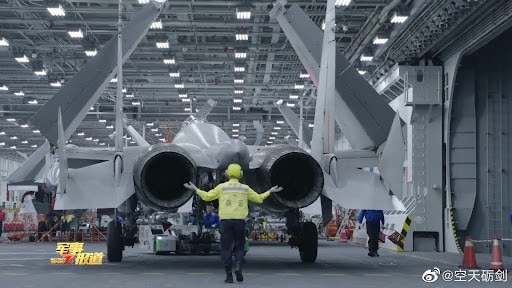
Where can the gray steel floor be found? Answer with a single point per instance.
(338, 265)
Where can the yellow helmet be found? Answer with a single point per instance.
(234, 171)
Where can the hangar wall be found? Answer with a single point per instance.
(481, 145)
(7, 166)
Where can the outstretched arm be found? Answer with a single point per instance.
(257, 198)
(206, 196)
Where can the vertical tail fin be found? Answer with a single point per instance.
(63, 159)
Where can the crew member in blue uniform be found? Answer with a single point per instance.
(373, 220)
(210, 219)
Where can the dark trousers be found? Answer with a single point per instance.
(1, 228)
(232, 240)
(373, 230)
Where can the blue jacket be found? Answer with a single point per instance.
(371, 216)
(510, 217)
(209, 220)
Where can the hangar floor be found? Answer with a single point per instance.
(338, 265)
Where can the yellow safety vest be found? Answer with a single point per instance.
(233, 198)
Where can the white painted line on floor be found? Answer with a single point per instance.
(153, 273)
(15, 274)
(200, 273)
(288, 274)
(63, 273)
(332, 274)
(377, 274)
(17, 265)
(108, 273)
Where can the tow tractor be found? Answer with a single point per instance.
(176, 236)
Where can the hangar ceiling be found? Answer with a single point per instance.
(203, 37)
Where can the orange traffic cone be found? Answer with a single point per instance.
(469, 260)
(343, 236)
(496, 260)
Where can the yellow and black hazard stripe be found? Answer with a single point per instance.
(403, 234)
(454, 231)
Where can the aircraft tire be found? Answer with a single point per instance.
(114, 242)
(309, 247)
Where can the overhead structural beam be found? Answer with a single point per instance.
(293, 120)
(84, 89)
(206, 109)
(363, 116)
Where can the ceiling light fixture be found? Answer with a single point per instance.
(76, 33)
(4, 88)
(33, 102)
(150, 124)
(88, 138)
(280, 122)
(24, 142)
(102, 121)
(22, 59)
(13, 137)
(237, 100)
(157, 24)
(240, 54)
(56, 10)
(143, 1)
(91, 53)
(4, 42)
(304, 75)
(274, 133)
(236, 108)
(342, 2)
(294, 96)
(55, 84)
(380, 40)
(183, 95)
(271, 138)
(113, 80)
(10, 119)
(154, 129)
(238, 91)
(238, 80)
(40, 72)
(19, 93)
(236, 124)
(185, 100)
(187, 109)
(110, 127)
(162, 45)
(13, 147)
(235, 135)
(243, 13)
(169, 61)
(36, 131)
(24, 126)
(174, 74)
(179, 85)
(235, 130)
(290, 104)
(311, 125)
(366, 57)
(299, 86)
(130, 95)
(239, 69)
(362, 72)
(34, 146)
(398, 18)
(136, 103)
(242, 36)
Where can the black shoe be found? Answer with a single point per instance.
(371, 254)
(229, 276)
(239, 276)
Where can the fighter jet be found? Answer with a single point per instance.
(154, 174)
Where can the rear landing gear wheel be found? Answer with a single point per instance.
(309, 244)
(114, 242)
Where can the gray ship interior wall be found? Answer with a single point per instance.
(481, 145)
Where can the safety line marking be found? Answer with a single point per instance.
(199, 273)
(288, 274)
(427, 259)
(15, 274)
(332, 274)
(153, 273)
(108, 273)
(63, 273)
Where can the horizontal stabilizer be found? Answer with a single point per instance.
(29, 169)
(361, 190)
